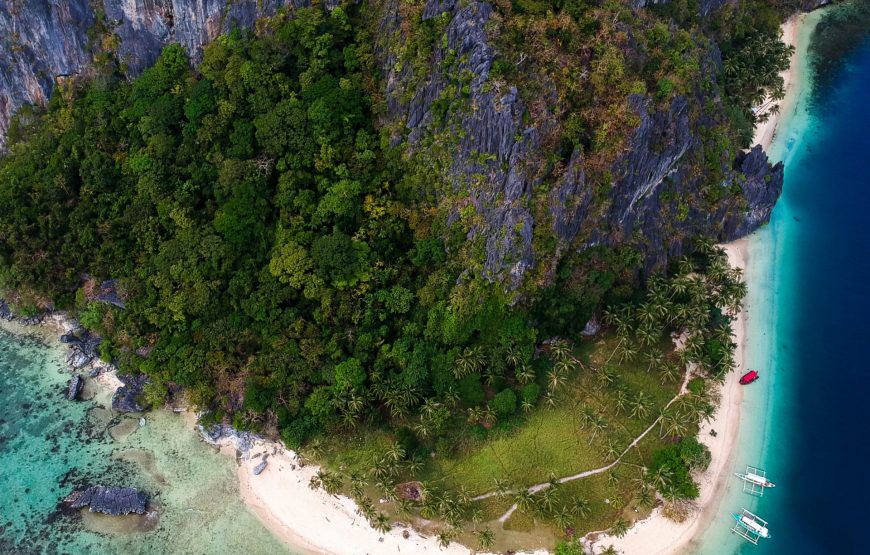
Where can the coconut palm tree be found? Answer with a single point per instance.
(598, 424)
(382, 523)
(627, 353)
(469, 361)
(605, 376)
(555, 380)
(560, 349)
(524, 499)
(645, 498)
(610, 551)
(621, 399)
(640, 405)
(654, 358)
(475, 415)
(527, 406)
(562, 519)
(485, 538)
(611, 451)
(549, 496)
(581, 507)
(620, 527)
(670, 372)
(524, 373)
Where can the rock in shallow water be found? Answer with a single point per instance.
(109, 500)
(75, 387)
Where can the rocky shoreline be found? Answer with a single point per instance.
(83, 356)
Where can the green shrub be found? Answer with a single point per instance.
(505, 403)
(471, 390)
(531, 393)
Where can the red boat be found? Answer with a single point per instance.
(749, 377)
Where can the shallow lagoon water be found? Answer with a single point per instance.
(50, 446)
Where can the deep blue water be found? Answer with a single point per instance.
(818, 440)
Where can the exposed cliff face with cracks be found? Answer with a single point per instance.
(495, 155)
(473, 131)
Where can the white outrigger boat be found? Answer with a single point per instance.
(750, 527)
(754, 481)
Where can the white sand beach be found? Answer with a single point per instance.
(792, 35)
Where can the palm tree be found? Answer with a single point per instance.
(549, 401)
(475, 415)
(469, 361)
(581, 507)
(645, 498)
(562, 519)
(655, 358)
(612, 478)
(485, 538)
(611, 452)
(549, 497)
(395, 452)
(527, 406)
(627, 353)
(620, 527)
(647, 335)
(555, 380)
(513, 356)
(617, 503)
(444, 537)
(382, 523)
(659, 478)
(560, 349)
(640, 405)
(670, 372)
(501, 487)
(489, 417)
(610, 551)
(524, 499)
(677, 425)
(524, 373)
(605, 375)
(564, 366)
(598, 424)
(620, 401)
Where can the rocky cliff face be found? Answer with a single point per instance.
(491, 155)
(497, 158)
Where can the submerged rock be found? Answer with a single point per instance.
(75, 387)
(109, 500)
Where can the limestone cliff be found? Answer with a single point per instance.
(492, 155)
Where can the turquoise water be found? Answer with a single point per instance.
(50, 446)
(806, 422)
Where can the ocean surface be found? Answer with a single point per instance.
(50, 446)
(807, 420)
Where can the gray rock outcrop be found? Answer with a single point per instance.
(110, 500)
(126, 397)
(75, 387)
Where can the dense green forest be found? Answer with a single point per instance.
(286, 265)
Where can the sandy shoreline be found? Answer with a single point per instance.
(791, 35)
